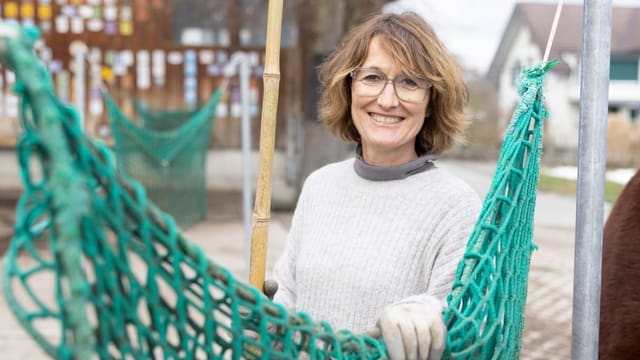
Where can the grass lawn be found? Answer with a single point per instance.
(568, 187)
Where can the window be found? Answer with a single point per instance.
(515, 73)
(201, 22)
(215, 23)
(254, 23)
(624, 69)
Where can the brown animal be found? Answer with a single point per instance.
(620, 295)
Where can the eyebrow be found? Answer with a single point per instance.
(402, 73)
(382, 71)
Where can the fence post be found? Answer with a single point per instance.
(594, 95)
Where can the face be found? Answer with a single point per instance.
(387, 125)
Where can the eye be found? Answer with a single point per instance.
(409, 83)
(371, 77)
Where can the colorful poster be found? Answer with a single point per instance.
(95, 25)
(126, 28)
(85, 11)
(45, 26)
(95, 102)
(77, 25)
(27, 11)
(126, 13)
(44, 12)
(68, 10)
(143, 70)
(45, 54)
(206, 57)
(222, 57)
(190, 78)
(110, 13)
(236, 106)
(158, 68)
(110, 28)
(62, 24)
(174, 58)
(11, 10)
(214, 70)
(222, 110)
(55, 66)
(126, 56)
(63, 85)
(109, 57)
(119, 65)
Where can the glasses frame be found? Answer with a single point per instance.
(354, 72)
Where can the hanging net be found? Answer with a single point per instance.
(485, 313)
(161, 120)
(167, 154)
(128, 285)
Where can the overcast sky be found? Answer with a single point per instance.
(471, 29)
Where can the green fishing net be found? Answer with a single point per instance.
(167, 154)
(161, 120)
(485, 313)
(128, 285)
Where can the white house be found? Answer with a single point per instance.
(523, 44)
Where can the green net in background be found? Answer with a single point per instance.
(129, 286)
(167, 154)
(161, 120)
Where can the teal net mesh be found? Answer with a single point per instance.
(485, 313)
(161, 120)
(129, 285)
(167, 154)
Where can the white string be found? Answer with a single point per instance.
(552, 34)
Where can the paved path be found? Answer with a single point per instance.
(548, 313)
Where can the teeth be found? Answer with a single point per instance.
(385, 119)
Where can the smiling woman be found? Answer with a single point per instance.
(375, 240)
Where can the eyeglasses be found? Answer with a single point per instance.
(371, 82)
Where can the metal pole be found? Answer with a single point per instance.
(594, 95)
(247, 192)
(240, 61)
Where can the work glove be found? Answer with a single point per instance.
(412, 330)
(269, 288)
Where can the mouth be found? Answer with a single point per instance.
(385, 119)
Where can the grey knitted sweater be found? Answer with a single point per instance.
(357, 245)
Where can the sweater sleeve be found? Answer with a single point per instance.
(285, 267)
(452, 233)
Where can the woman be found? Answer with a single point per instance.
(375, 240)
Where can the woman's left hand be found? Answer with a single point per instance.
(412, 330)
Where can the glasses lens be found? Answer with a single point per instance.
(416, 94)
(371, 82)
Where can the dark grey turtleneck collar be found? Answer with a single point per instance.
(397, 172)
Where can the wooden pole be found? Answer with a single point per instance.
(262, 206)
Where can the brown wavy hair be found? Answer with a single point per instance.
(415, 46)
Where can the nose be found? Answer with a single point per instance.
(387, 97)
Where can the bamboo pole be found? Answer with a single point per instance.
(262, 206)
